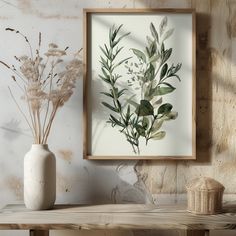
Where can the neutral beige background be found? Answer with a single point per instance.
(147, 181)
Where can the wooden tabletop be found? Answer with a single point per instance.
(135, 216)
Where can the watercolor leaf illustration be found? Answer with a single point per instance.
(149, 78)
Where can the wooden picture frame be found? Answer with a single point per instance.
(164, 74)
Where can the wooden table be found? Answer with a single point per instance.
(133, 217)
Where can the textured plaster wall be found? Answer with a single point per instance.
(82, 181)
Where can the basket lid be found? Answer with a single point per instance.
(204, 183)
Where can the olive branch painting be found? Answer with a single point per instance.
(141, 87)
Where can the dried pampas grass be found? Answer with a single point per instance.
(46, 83)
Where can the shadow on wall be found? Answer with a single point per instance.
(203, 89)
(125, 192)
(103, 190)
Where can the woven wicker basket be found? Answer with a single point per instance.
(205, 196)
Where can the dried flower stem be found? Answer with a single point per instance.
(21, 111)
(50, 123)
(42, 71)
(14, 71)
(18, 85)
(30, 113)
(39, 126)
(18, 74)
(36, 129)
(48, 103)
(26, 39)
(43, 94)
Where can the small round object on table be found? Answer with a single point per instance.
(204, 196)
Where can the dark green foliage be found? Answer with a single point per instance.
(164, 108)
(110, 107)
(144, 109)
(150, 75)
(164, 90)
(163, 71)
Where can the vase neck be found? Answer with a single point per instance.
(39, 147)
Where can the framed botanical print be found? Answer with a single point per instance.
(139, 84)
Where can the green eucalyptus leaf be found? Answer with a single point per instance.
(109, 106)
(140, 129)
(139, 54)
(119, 105)
(105, 79)
(163, 71)
(118, 29)
(118, 40)
(120, 62)
(117, 52)
(171, 115)
(149, 40)
(153, 49)
(166, 55)
(150, 73)
(148, 52)
(154, 32)
(178, 66)
(117, 121)
(163, 25)
(114, 92)
(144, 109)
(163, 90)
(162, 48)
(121, 37)
(169, 85)
(110, 35)
(159, 135)
(127, 116)
(104, 52)
(154, 58)
(168, 34)
(104, 64)
(145, 122)
(105, 73)
(121, 92)
(157, 125)
(173, 70)
(107, 94)
(132, 142)
(165, 108)
(107, 51)
(116, 77)
(149, 91)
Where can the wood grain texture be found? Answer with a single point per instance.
(216, 101)
(112, 217)
(87, 112)
(39, 232)
(197, 233)
(216, 152)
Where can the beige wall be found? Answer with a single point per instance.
(60, 21)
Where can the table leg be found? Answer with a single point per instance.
(197, 233)
(34, 232)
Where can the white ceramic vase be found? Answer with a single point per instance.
(39, 178)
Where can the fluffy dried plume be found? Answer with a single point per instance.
(46, 81)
